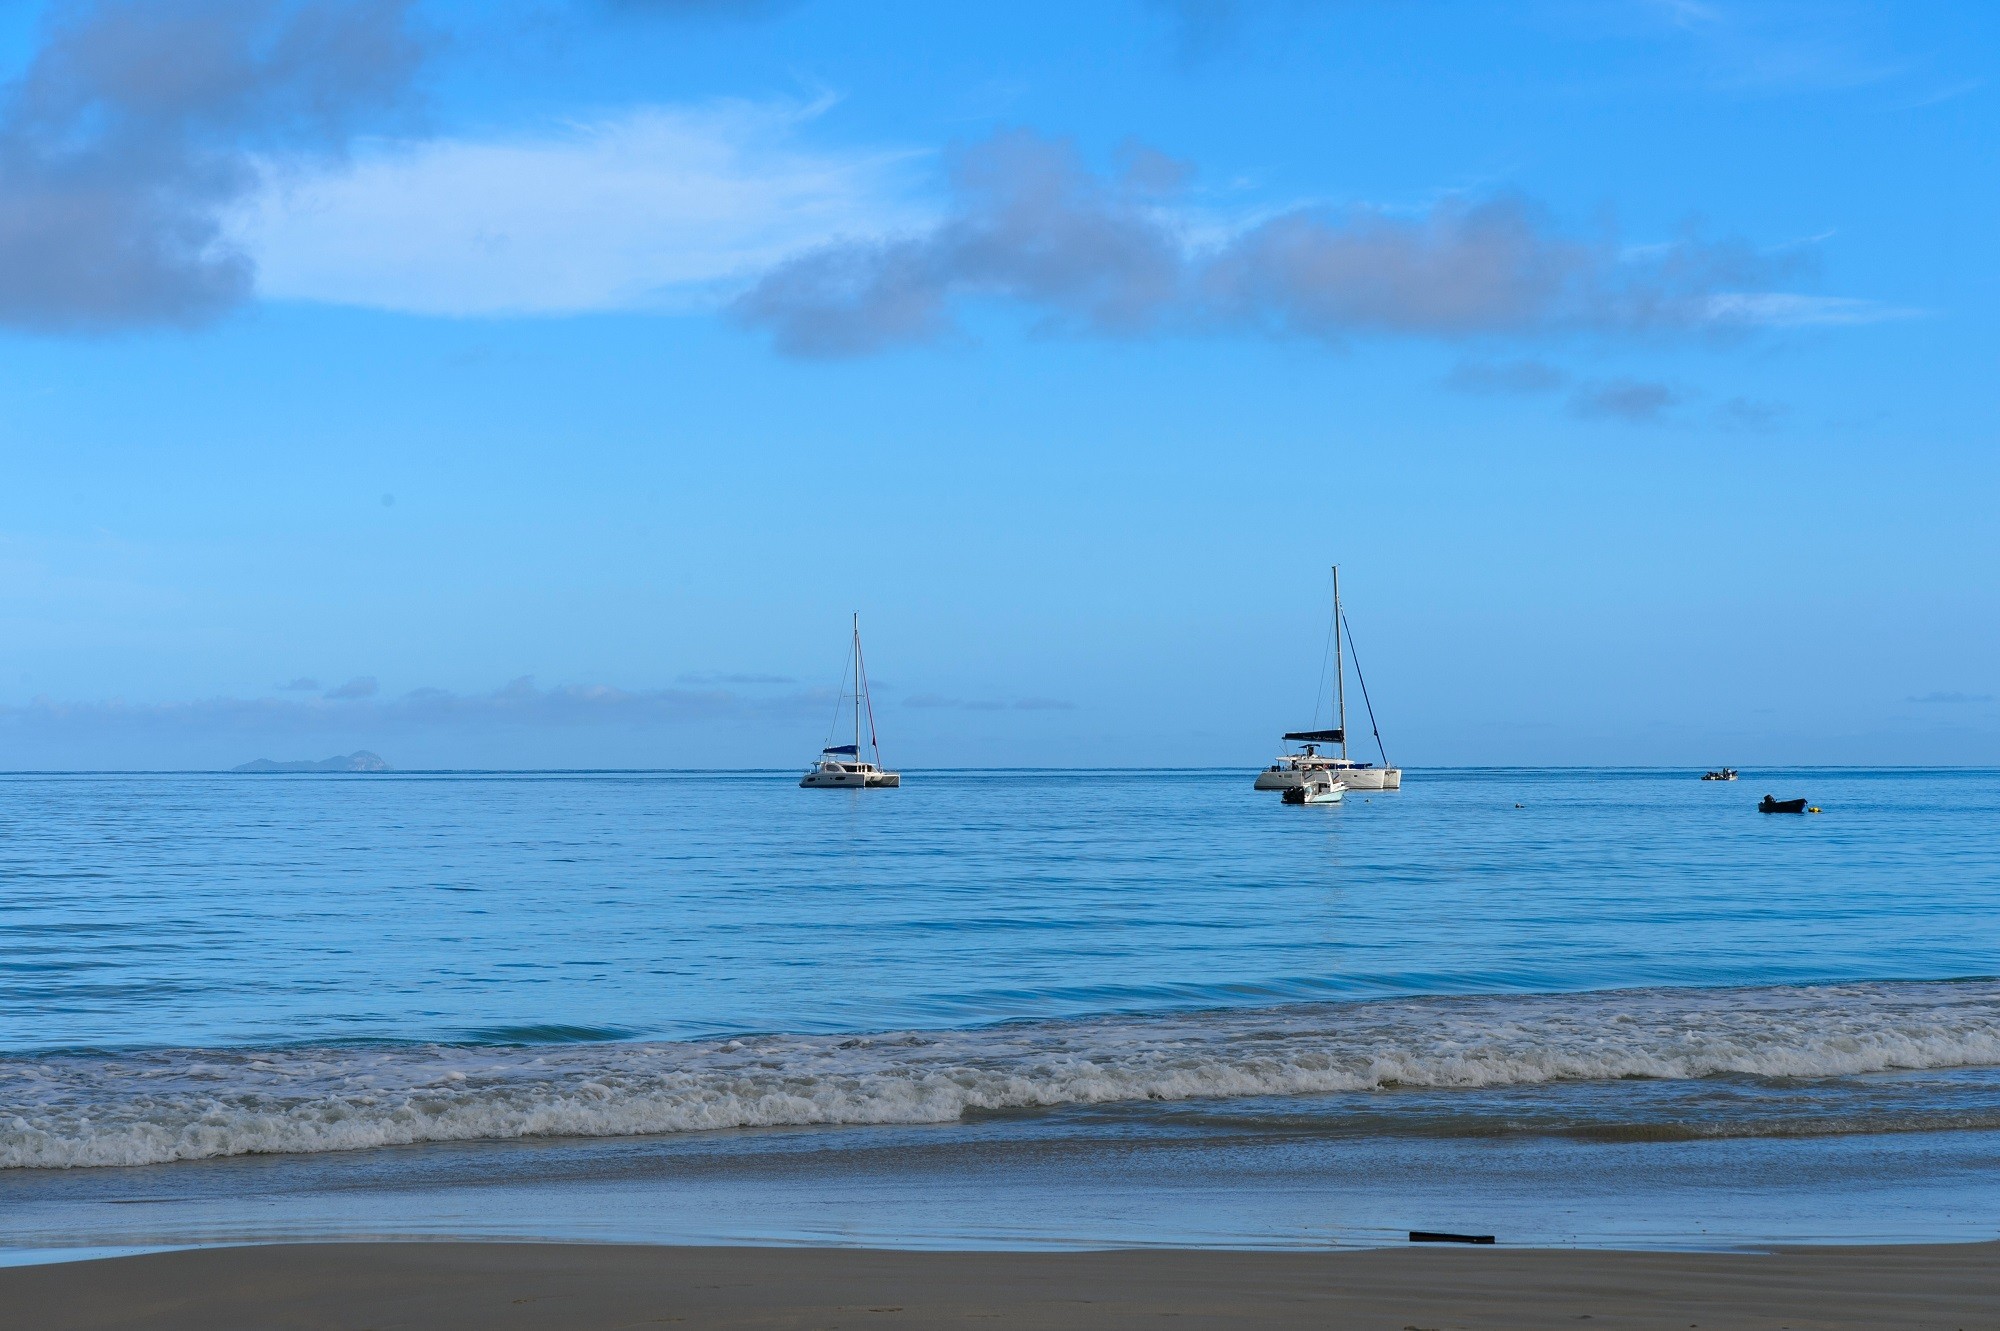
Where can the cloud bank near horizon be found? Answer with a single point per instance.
(708, 719)
(358, 708)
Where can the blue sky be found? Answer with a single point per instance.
(544, 384)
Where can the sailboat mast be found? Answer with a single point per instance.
(1339, 667)
(857, 686)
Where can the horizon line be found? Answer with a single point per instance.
(1148, 767)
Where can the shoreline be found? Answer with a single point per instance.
(581, 1286)
(1178, 1178)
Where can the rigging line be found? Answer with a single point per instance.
(868, 700)
(839, 701)
(1319, 692)
(1363, 681)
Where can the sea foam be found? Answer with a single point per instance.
(62, 1111)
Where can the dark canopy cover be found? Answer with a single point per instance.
(842, 748)
(1316, 736)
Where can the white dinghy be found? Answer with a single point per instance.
(1314, 788)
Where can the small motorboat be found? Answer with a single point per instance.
(1770, 805)
(1720, 774)
(1315, 788)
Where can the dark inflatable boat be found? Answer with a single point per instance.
(1769, 805)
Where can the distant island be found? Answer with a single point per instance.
(359, 761)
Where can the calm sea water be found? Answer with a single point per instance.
(454, 982)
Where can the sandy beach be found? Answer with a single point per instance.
(581, 1287)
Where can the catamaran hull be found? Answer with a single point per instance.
(1354, 778)
(850, 780)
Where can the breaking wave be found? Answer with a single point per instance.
(70, 1110)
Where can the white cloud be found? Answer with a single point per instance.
(688, 207)
(653, 207)
(1033, 223)
(1786, 309)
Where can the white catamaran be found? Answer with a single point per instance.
(840, 765)
(1293, 770)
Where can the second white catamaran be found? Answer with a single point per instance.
(840, 766)
(1310, 768)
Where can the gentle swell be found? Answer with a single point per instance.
(67, 1111)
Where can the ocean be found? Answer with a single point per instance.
(1019, 1008)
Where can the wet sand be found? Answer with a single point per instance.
(582, 1287)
